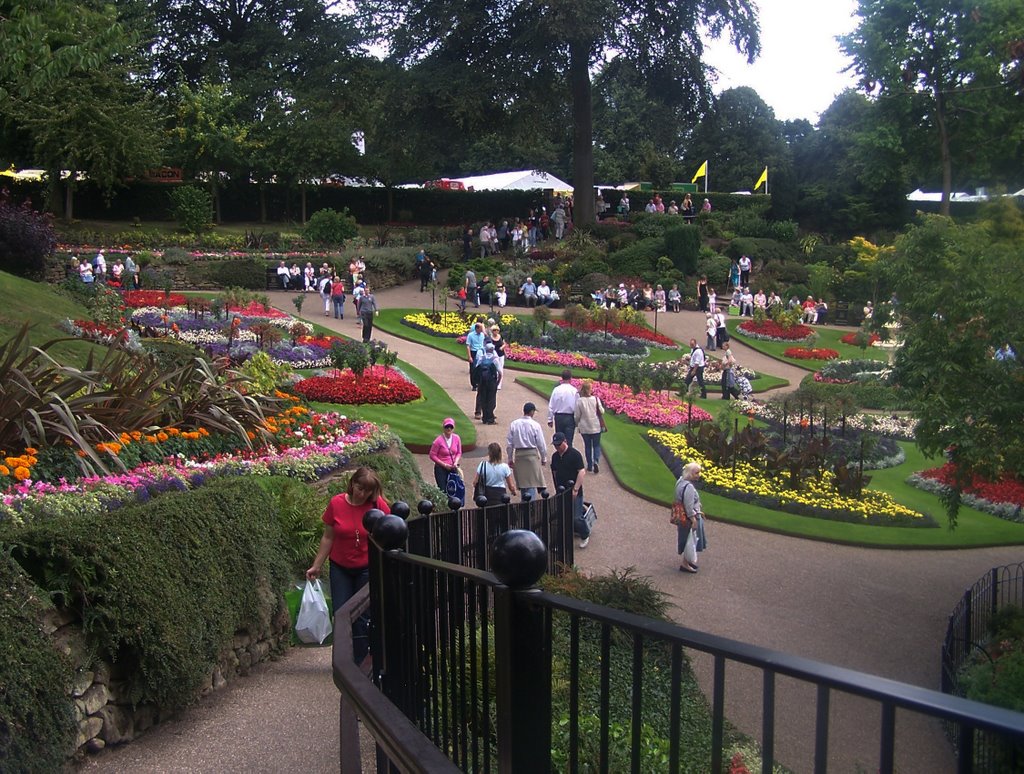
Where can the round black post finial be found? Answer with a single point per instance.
(401, 509)
(390, 532)
(480, 500)
(506, 498)
(544, 492)
(519, 558)
(425, 507)
(371, 517)
(454, 503)
(527, 497)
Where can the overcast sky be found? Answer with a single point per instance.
(799, 71)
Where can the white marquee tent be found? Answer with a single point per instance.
(523, 180)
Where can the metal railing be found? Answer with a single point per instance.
(967, 634)
(498, 676)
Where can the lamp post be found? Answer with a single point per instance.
(655, 317)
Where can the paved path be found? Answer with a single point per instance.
(880, 611)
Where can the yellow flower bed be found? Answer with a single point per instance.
(819, 493)
(449, 323)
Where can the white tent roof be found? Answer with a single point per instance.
(523, 180)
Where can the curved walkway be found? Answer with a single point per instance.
(879, 611)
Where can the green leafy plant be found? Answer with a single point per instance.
(329, 227)
(193, 208)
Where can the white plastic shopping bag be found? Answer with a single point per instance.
(690, 551)
(313, 623)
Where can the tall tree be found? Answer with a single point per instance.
(952, 68)
(738, 137)
(954, 317)
(535, 45)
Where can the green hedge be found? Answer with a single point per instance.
(682, 245)
(37, 722)
(161, 588)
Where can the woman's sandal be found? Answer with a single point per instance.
(687, 568)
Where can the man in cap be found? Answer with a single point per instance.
(567, 471)
(527, 453)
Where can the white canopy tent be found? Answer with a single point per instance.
(522, 180)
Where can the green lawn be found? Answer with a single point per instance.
(42, 308)
(639, 469)
(827, 339)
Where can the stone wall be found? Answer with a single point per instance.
(103, 707)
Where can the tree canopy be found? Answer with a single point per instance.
(553, 47)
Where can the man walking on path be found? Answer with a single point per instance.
(562, 407)
(471, 289)
(697, 363)
(474, 344)
(567, 470)
(527, 453)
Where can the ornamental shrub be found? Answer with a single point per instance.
(37, 722)
(245, 273)
(638, 259)
(161, 588)
(26, 239)
(193, 208)
(330, 227)
(682, 245)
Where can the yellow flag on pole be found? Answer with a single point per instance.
(702, 172)
(762, 179)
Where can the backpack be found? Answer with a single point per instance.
(487, 371)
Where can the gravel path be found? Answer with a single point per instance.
(879, 611)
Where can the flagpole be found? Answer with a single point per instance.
(705, 175)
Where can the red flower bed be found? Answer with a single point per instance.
(377, 385)
(629, 330)
(851, 339)
(1006, 490)
(804, 353)
(97, 330)
(139, 298)
(319, 341)
(256, 309)
(771, 330)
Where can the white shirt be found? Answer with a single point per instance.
(562, 401)
(526, 433)
(697, 357)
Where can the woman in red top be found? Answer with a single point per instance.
(345, 540)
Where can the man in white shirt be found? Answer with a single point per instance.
(544, 293)
(527, 453)
(283, 275)
(562, 407)
(697, 363)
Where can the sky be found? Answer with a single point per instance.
(799, 71)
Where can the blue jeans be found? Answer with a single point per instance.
(528, 490)
(592, 448)
(339, 307)
(566, 423)
(345, 583)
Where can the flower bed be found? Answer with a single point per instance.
(818, 499)
(307, 448)
(1003, 498)
(449, 324)
(769, 330)
(851, 339)
(849, 371)
(624, 330)
(891, 426)
(804, 353)
(136, 299)
(647, 408)
(521, 354)
(377, 385)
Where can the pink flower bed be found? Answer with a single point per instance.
(770, 330)
(657, 409)
(626, 330)
(523, 354)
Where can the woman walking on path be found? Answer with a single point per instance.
(499, 351)
(589, 416)
(338, 297)
(494, 476)
(686, 493)
(445, 453)
(346, 540)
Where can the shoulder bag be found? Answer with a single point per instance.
(679, 517)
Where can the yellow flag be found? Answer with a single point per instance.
(762, 179)
(702, 172)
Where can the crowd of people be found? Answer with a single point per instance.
(120, 273)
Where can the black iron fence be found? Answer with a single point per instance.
(498, 676)
(967, 636)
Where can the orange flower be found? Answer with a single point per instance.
(136, 435)
(125, 439)
(12, 461)
(150, 439)
(162, 436)
(804, 422)
(251, 435)
(173, 431)
(21, 473)
(30, 450)
(4, 470)
(203, 432)
(81, 453)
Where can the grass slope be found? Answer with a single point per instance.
(24, 301)
(639, 469)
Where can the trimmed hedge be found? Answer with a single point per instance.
(162, 588)
(37, 721)
(682, 245)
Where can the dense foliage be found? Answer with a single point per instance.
(26, 238)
